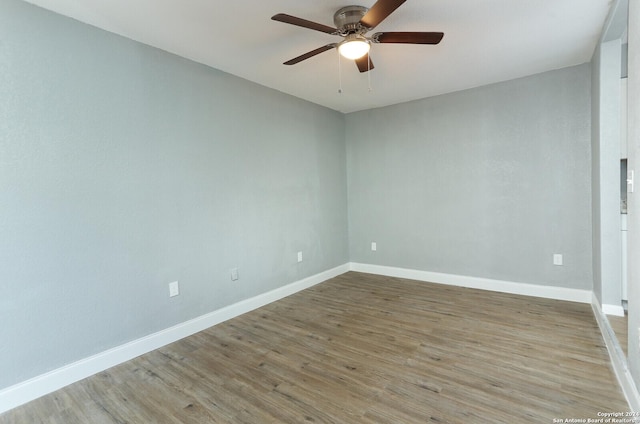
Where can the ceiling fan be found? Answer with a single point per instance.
(352, 23)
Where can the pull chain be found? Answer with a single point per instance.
(339, 74)
(369, 72)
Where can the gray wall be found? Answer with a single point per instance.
(489, 182)
(123, 168)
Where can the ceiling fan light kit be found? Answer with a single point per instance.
(354, 46)
(352, 23)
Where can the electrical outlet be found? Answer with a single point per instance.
(234, 274)
(174, 289)
(374, 246)
(557, 259)
(299, 256)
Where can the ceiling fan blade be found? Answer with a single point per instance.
(288, 19)
(379, 12)
(364, 63)
(407, 37)
(310, 54)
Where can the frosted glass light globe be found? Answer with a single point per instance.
(354, 47)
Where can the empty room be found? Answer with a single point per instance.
(399, 211)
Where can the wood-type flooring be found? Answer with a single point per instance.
(362, 348)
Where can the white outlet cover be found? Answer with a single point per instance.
(374, 246)
(174, 289)
(557, 259)
(299, 256)
(234, 274)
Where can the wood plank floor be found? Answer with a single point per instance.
(362, 349)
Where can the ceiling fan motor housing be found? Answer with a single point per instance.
(347, 19)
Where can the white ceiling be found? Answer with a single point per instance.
(485, 41)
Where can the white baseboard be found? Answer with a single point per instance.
(615, 310)
(41, 385)
(618, 359)
(549, 292)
